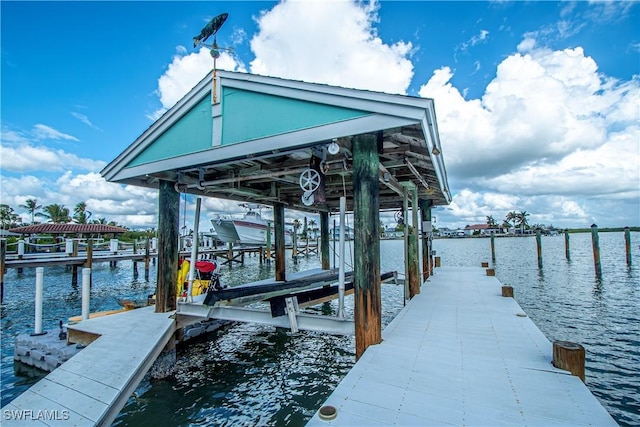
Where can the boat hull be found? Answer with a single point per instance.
(226, 230)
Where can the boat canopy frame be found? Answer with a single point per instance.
(237, 155)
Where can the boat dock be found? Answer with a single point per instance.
(94, 385)
(460, 354)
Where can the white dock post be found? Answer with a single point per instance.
(39, 292)
(194, 250)
(68, 247)
(86, 292)
(20, 248)
(113, 246)
(343, 208)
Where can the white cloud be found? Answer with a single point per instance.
(28, 157)
(41, 132)
(84, 119)
(329, 42)
(185, 71)
(549, 127)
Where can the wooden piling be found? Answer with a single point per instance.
(507, 291)
(367, 299)
(425, 217)
(294, 249)
(627, 244)
(437, 261)
(74, 275)
(484, 264)
(89, 261)
(146, 259)
(324, 240)
(414, 271)
(539, 247)
(168, 233)
(268, 251)
(570, 357)
(567, 253)
(493, 248)
(405, 235)
(595, 242)
(491, 272)
(278, 231)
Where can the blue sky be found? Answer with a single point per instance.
(537, 102)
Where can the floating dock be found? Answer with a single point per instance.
(461, 354)
(94, 385)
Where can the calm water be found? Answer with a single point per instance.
(255, 375)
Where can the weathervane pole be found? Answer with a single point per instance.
(210, 30)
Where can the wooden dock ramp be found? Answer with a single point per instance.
(93, 386)
(460, 354)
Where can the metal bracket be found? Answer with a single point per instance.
(292, 311)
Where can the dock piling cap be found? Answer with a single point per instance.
(327, 413)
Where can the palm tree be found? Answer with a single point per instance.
(58, 214)
(31, 205)
(511, 216)
(81, 214)
(521, 218)
(491, 222)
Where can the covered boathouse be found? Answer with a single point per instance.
(300, 146)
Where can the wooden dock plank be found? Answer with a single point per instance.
(93, 386)
(459, 354)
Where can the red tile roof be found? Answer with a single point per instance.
(68, 228)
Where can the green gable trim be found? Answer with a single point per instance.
(251, 115)
(190, 134)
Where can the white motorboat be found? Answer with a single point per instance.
(251, 229)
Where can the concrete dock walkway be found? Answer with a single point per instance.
(461, 354)
(91, 388)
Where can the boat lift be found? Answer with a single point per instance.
(285, 299)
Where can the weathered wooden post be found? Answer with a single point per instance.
(405, 225)
(627, 244)
(268, 252)
(74, 275)
(278, 231)
(414, 270)
(146, 259)
(425, 217)
(595, 243)
(89, 261)
(570, 357)
(507, 291)
(294, 249)
(230, 252)
(539, 247)
(168, 235)
(566, 244)
(493, 248)
(134, 262)
(324, 240)
(367, 301)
